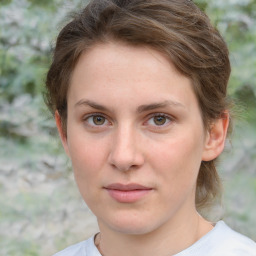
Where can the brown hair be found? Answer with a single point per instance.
(177, 28)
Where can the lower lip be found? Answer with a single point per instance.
(129, 196)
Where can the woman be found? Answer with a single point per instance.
(138, 89)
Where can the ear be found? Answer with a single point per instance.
(215, 139)
(62, 134)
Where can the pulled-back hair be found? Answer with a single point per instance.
(177, 28)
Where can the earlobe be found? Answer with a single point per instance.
(215, 139)
(63, 136)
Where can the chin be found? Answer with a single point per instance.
(132, 226)
(132, 229)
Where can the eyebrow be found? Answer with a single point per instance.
(91, 104)
(164, 104)
(140, 109)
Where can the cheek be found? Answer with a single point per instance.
(87, 156)
(88, 162)
(178, 159)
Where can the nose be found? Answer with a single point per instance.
(126, 153)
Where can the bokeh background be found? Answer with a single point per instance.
(41, 211)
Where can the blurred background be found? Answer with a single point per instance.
(41, 210)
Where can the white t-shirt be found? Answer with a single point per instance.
(220, 241)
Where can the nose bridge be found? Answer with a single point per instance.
(125, 153)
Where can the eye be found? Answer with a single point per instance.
(159, 120)
(96, 120)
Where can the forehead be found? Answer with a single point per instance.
(115, 55)
(118, 69)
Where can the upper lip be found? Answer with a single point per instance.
(127, 187)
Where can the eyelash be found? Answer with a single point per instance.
(168, 119)
(87, 117)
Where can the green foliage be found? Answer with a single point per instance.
(236, 21)
(26, 247)
(24, 50)
(4, 2)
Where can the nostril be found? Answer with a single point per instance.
(127, 164)
(124, 153)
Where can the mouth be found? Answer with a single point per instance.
(127, 193)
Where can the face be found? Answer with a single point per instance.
(135, 138)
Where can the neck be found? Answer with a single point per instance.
(169, 239)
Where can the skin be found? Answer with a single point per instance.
(132, 118)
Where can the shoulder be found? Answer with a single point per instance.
(84, 248)
(221, 241)
(231, 242)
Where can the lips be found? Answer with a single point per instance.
(127, 193)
